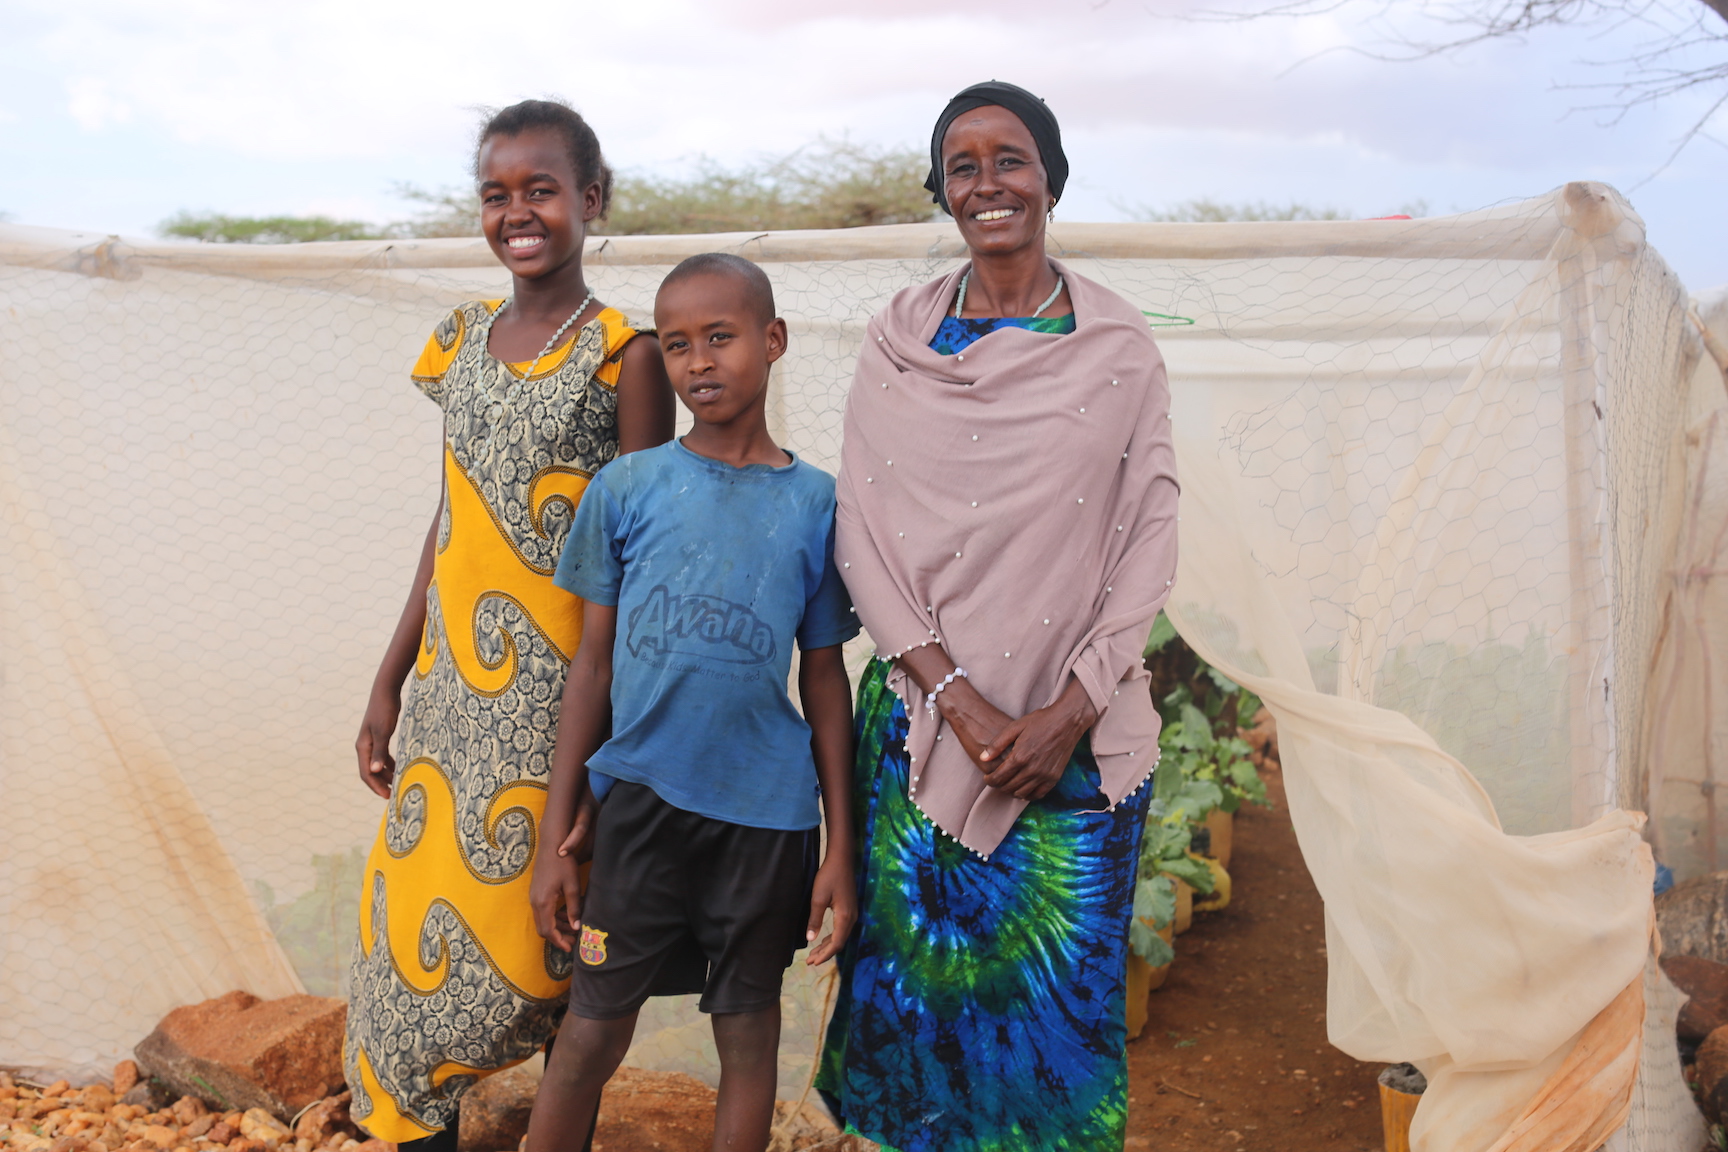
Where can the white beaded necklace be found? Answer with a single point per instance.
(562, 328)
(960, 297)
(516, 387)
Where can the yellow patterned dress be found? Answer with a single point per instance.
(450, 981)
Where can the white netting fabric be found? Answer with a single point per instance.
(1688, 726)
(1433, 476)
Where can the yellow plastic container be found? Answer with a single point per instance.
(1219, 898)
(1184, 906)
(1222, 826)
(1143, 980)
(1397, 1110)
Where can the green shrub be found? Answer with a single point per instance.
(217, 228)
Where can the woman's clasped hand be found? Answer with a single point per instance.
(1022, 756)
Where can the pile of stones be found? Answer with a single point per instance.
(134, 1114)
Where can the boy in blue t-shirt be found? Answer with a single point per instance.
(702, 561)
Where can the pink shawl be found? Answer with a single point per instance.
(1015, 503)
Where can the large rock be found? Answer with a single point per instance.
(494, 1113)
(1705, 983)
(1693, 918)
(238, 1052)
(1712, 1070)
(664, 1110)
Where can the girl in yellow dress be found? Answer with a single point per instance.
(450, 979)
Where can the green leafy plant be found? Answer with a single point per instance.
(1154, 909)
(1164, 850)
(1203, 765)
(1205, 770)
(1202, 709)
(1164, 859)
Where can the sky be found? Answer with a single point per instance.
(114, 115)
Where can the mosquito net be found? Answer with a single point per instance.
(1435, 482)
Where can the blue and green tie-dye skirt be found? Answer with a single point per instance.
(981, 1003)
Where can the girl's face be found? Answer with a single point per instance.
(995, 180)
(533, 208)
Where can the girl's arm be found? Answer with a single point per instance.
(377, 766)
(645, 400)
(583, 721)
(827, 698)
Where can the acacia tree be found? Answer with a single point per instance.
(1673, 46)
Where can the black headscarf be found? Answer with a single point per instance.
(1033, 113)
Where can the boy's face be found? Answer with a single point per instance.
(717, 345)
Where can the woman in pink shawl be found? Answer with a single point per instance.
(1007, 529)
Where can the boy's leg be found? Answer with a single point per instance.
(749, 1045)
(594, 1122)
(632, 943)
(750, 902)
(568, 1102)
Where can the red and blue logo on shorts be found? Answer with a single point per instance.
(592, 946)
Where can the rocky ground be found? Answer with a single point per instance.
(130, 1115)
(643, 1112)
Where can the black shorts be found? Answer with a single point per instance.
(679, 904)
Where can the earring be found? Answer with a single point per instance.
(1050, 216)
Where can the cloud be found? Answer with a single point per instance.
(251, 107)
(671, 78)
(92, 106)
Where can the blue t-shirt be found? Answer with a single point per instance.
(715, 571)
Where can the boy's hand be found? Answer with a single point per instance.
(555, 894)
(827, 698)
(835, 888)
(377, 766)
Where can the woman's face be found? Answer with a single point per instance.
(995, 180)
(533, 210)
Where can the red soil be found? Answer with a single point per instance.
(1234, 1054)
